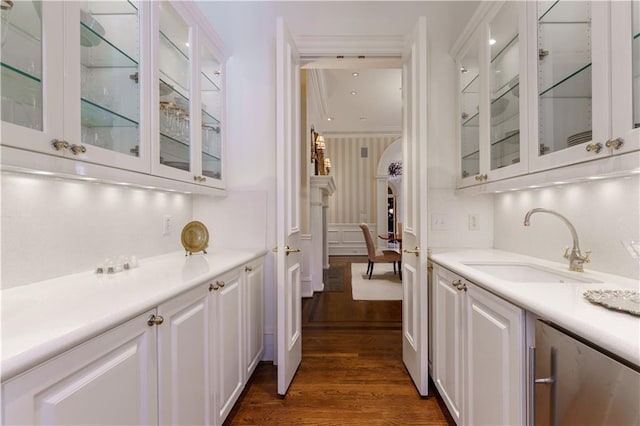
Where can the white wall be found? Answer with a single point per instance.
(443, 202)
(605, 214)
(53, 227)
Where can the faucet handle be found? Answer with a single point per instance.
(566, 253)
(587, 256)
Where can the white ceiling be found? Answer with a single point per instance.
(376, 106)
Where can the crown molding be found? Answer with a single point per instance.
(317, 88)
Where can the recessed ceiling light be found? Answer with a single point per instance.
(559, 183)
(186, 43)
(329, 118)
(492, 41)
(353, 92)
(355, 74)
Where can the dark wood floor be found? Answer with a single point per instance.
(351, 371)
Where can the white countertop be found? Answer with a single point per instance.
(43, 319)
(559, 303)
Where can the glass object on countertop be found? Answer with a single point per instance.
(470, 103)
(564, 74)
(505, 87)
(109, 58)
(211, 114)
(174, 87)
(21, 63)
(636, 62)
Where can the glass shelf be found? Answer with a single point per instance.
(472, 156)
(564, 12)
(473, 86)
(94, 115)
(207, 84)
(167, 83)
(505, 107)
(473, 121)
(16, 84)
(209, 120)
(174, 153)
(210, 157)
(103, 53)
(24, 21)
(576, 85)
(513, 138)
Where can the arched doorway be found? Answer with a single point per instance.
(386, 184)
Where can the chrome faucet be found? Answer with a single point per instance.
(576, 259)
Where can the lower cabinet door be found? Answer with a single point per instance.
(227, 347)
(110, 379)
(183, 359)
(494, 360)
(254, 313)
(448, 340)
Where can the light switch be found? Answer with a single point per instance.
(439, 222)
(167, 224)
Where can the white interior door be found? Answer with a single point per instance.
(288, 207)
(414, 208)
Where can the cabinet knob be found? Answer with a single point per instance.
(220, 284)
(59, 144)
(155, 320)
(78, 149)
(248, 268)
(594, 147)
(213, 287)
(615, 143)
(199, 179)
(480, 178)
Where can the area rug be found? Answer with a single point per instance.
(383, 285)
(333, 279)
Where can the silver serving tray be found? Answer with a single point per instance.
(619, 300)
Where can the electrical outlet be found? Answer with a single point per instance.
(439, 222)
(167, 224)
(473, 222)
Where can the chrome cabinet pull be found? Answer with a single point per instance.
(594, 147)
(551, 380)
(155, 320)
(77, 149)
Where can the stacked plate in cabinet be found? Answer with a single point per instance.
(579, 138)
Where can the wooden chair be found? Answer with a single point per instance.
(375, 255)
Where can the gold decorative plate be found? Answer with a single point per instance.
(195, 237)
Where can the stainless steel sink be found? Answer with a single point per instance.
(524, 272)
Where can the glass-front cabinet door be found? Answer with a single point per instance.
(109, 94)
(573, 113)
(469, 98)
(174, 80)
(625, 58)
(505, 121)
(32, 69)
(211, 126)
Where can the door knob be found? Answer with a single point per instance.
(415, 251)
(290, 250)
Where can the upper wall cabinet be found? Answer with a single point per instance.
(135, 86)
(189, 75)
(74, 90)
(559, 84)
(491, 67)
(582, 86)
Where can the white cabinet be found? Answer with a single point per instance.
(545, 85)
(83, 98)
(110, 379)
(227, 346)
(448, 341)
(479, 359)
(495, 360)
(584, 91)
(184, 375)
(254, 314)
(492, 63)
(134, 86)
(188, 107)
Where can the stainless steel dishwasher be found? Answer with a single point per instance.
(572, 383)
